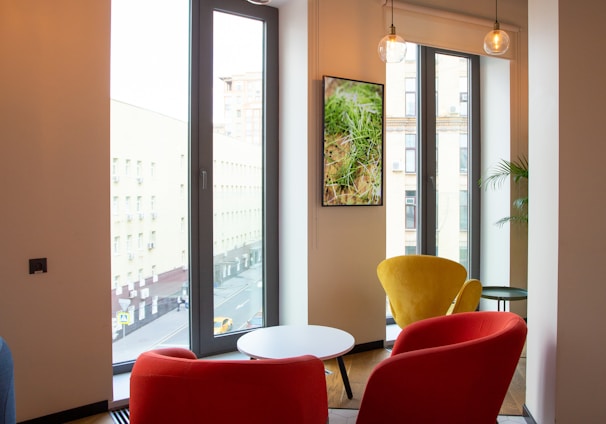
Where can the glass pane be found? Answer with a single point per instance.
(411, 153)
(238, 173)
(401, 147)
(149, 176)
(452, 127)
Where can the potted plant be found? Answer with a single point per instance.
(503, 171)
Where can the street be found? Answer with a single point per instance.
(238, 298)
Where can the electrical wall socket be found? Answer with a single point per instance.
(37, 266)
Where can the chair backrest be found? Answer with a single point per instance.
(7, 385)
(420, 286)
(454, 368)
(468, 298)
(172, 386)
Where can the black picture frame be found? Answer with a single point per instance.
(352, 148)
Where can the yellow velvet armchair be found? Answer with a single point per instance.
(425, 286)
(468, 298)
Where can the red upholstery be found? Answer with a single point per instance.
(449, 369)
(172, 386)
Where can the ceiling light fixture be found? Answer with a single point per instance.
(496, 41)
(259, 2)
(392, 47)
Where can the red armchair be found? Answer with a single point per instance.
(172, 386)
(455, 369)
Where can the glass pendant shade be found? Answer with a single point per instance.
(392, 47)
(496, 41)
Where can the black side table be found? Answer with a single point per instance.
(503, 293)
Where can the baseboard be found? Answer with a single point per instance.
(119, 404)
(527, 415)
(364, 347)
(71, 414)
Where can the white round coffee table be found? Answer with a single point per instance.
(286, 341)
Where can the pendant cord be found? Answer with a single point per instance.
(496, 10)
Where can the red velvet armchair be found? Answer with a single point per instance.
(449, 369)
(172, 386)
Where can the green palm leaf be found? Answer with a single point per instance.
(502, 172)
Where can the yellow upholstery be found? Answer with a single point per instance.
(421, 286)
(468, 298)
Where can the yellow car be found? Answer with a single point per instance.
(223, 325)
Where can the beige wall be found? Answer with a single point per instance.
(543, 236)
(54, 180)
(345, 243)
(566, 374)
(328, 254)
(581, 368)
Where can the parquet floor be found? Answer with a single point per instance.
(359, 366)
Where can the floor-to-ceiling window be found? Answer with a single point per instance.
(192, 157)
(432, 155)
(234, 171)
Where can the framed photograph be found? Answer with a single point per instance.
(353, 142)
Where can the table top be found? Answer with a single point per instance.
(287, 341)
(504, 293)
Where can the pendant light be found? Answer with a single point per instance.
(496, 41)
(392, 47)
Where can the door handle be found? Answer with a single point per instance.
(203, 177)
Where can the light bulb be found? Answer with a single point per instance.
(496, 41)
(392, 47)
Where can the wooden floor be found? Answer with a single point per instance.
(95, 419)
(358, 367)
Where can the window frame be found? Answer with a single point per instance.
(203, 341)
(428, 142)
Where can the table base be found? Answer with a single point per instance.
(345, 377)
